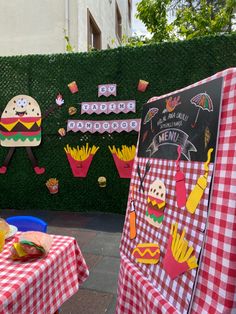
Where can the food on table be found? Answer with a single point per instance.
(4, 226)
(156, 203)
(147, 253)
(2, 239)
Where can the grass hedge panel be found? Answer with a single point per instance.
(167, 66)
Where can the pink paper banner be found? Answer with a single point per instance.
(108, 107)
(100, 126)
(106, 90)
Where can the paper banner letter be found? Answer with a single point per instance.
(197, 192)
(147, 253)
(178, 258)
(123, 159)
(80, 159)
(156, 203)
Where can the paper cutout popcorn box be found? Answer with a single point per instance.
(80, 159)
(142, 85)
(156, 203)
(52, 185)
(73, 87)
(123, 159)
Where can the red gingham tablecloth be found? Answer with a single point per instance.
(43, 285)
(143, 289)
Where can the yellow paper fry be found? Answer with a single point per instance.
(82, 153)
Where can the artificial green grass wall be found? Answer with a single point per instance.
(167, 67)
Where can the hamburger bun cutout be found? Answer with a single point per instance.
(20, 126)
(156, 203)
(147, 253)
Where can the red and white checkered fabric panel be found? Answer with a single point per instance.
(136, 294)
(216, 289)
(216, 284)
(178, 291)
(43, 285)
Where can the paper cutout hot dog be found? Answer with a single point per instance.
(147, 253)
(197, 192)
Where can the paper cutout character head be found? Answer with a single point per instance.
(156, 203)
(20, 126)
(21, 122)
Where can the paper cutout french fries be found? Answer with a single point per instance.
(197, 192)
(179, 256)
(80, 158)
(123, 159)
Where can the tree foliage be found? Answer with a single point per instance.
(193, 18)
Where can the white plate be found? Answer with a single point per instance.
(13, 230)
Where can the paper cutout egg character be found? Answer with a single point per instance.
(20, 126)
(156, 203)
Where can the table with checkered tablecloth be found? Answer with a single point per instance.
(42, 285)
(212, 287)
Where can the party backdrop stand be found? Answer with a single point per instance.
(174, 158)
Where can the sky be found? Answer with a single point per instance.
(138, 27)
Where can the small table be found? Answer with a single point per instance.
(42, 285)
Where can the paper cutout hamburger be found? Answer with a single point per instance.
(156, 203)
(20, 126)
(147, 253)
(21, 122)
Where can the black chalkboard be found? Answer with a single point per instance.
(189, 118)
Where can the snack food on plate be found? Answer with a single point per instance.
(31, 244)
(4, 226)
(21, 122)
(147, 253)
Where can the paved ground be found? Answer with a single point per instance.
(98, 235)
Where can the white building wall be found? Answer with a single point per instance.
(37, 26)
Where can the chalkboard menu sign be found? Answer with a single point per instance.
(189, 118)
